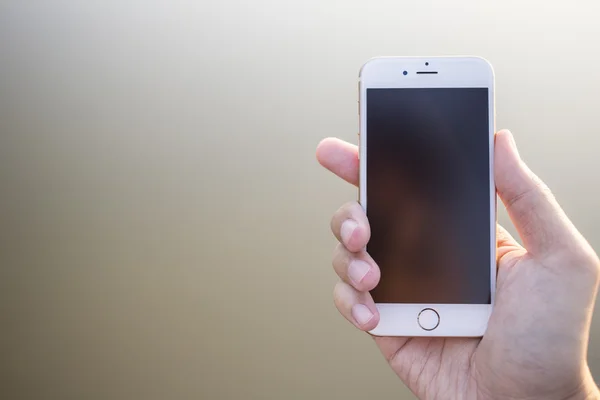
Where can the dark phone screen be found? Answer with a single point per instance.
(428, 194)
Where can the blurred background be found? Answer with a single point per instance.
(164, 226)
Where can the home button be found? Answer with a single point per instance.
(428, 319)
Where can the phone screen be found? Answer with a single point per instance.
(428, 194)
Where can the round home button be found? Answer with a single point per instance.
(428, 319)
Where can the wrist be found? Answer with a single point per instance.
(588, 394)
(587, 391)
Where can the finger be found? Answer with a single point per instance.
(505, 244)
(351, 227)
(540, 221)
(339, 157)
(356, 269)
(505, 239)
(357, 307)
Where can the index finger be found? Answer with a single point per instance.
(339, 157)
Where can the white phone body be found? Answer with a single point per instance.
(460, 320)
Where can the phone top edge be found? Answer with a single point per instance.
(378, 59)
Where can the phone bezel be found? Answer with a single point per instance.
(464, 320)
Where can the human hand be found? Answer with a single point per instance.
(535, 346)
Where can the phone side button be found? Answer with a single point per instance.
(428, 319)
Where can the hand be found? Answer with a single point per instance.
(535, 346)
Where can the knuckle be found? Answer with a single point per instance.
(346, 208)
(544, 189)
(367, 230)
(340, 256)
(338, 296)
(332, 222)
(351, 208)
(340, 215)
(541, 190)
(351, 204)
(538, 189)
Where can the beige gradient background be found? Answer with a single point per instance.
(163, 223)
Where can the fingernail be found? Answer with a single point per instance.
(361, 314)
(348, 228)
(357, 270)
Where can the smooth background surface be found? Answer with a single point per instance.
(164, 227)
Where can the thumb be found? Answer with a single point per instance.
(541, 223)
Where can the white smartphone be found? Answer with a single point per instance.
(427, 186)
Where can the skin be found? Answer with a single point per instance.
(535, 346)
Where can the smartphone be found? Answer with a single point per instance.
(427, 186)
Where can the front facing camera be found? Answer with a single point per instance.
(405, 73)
